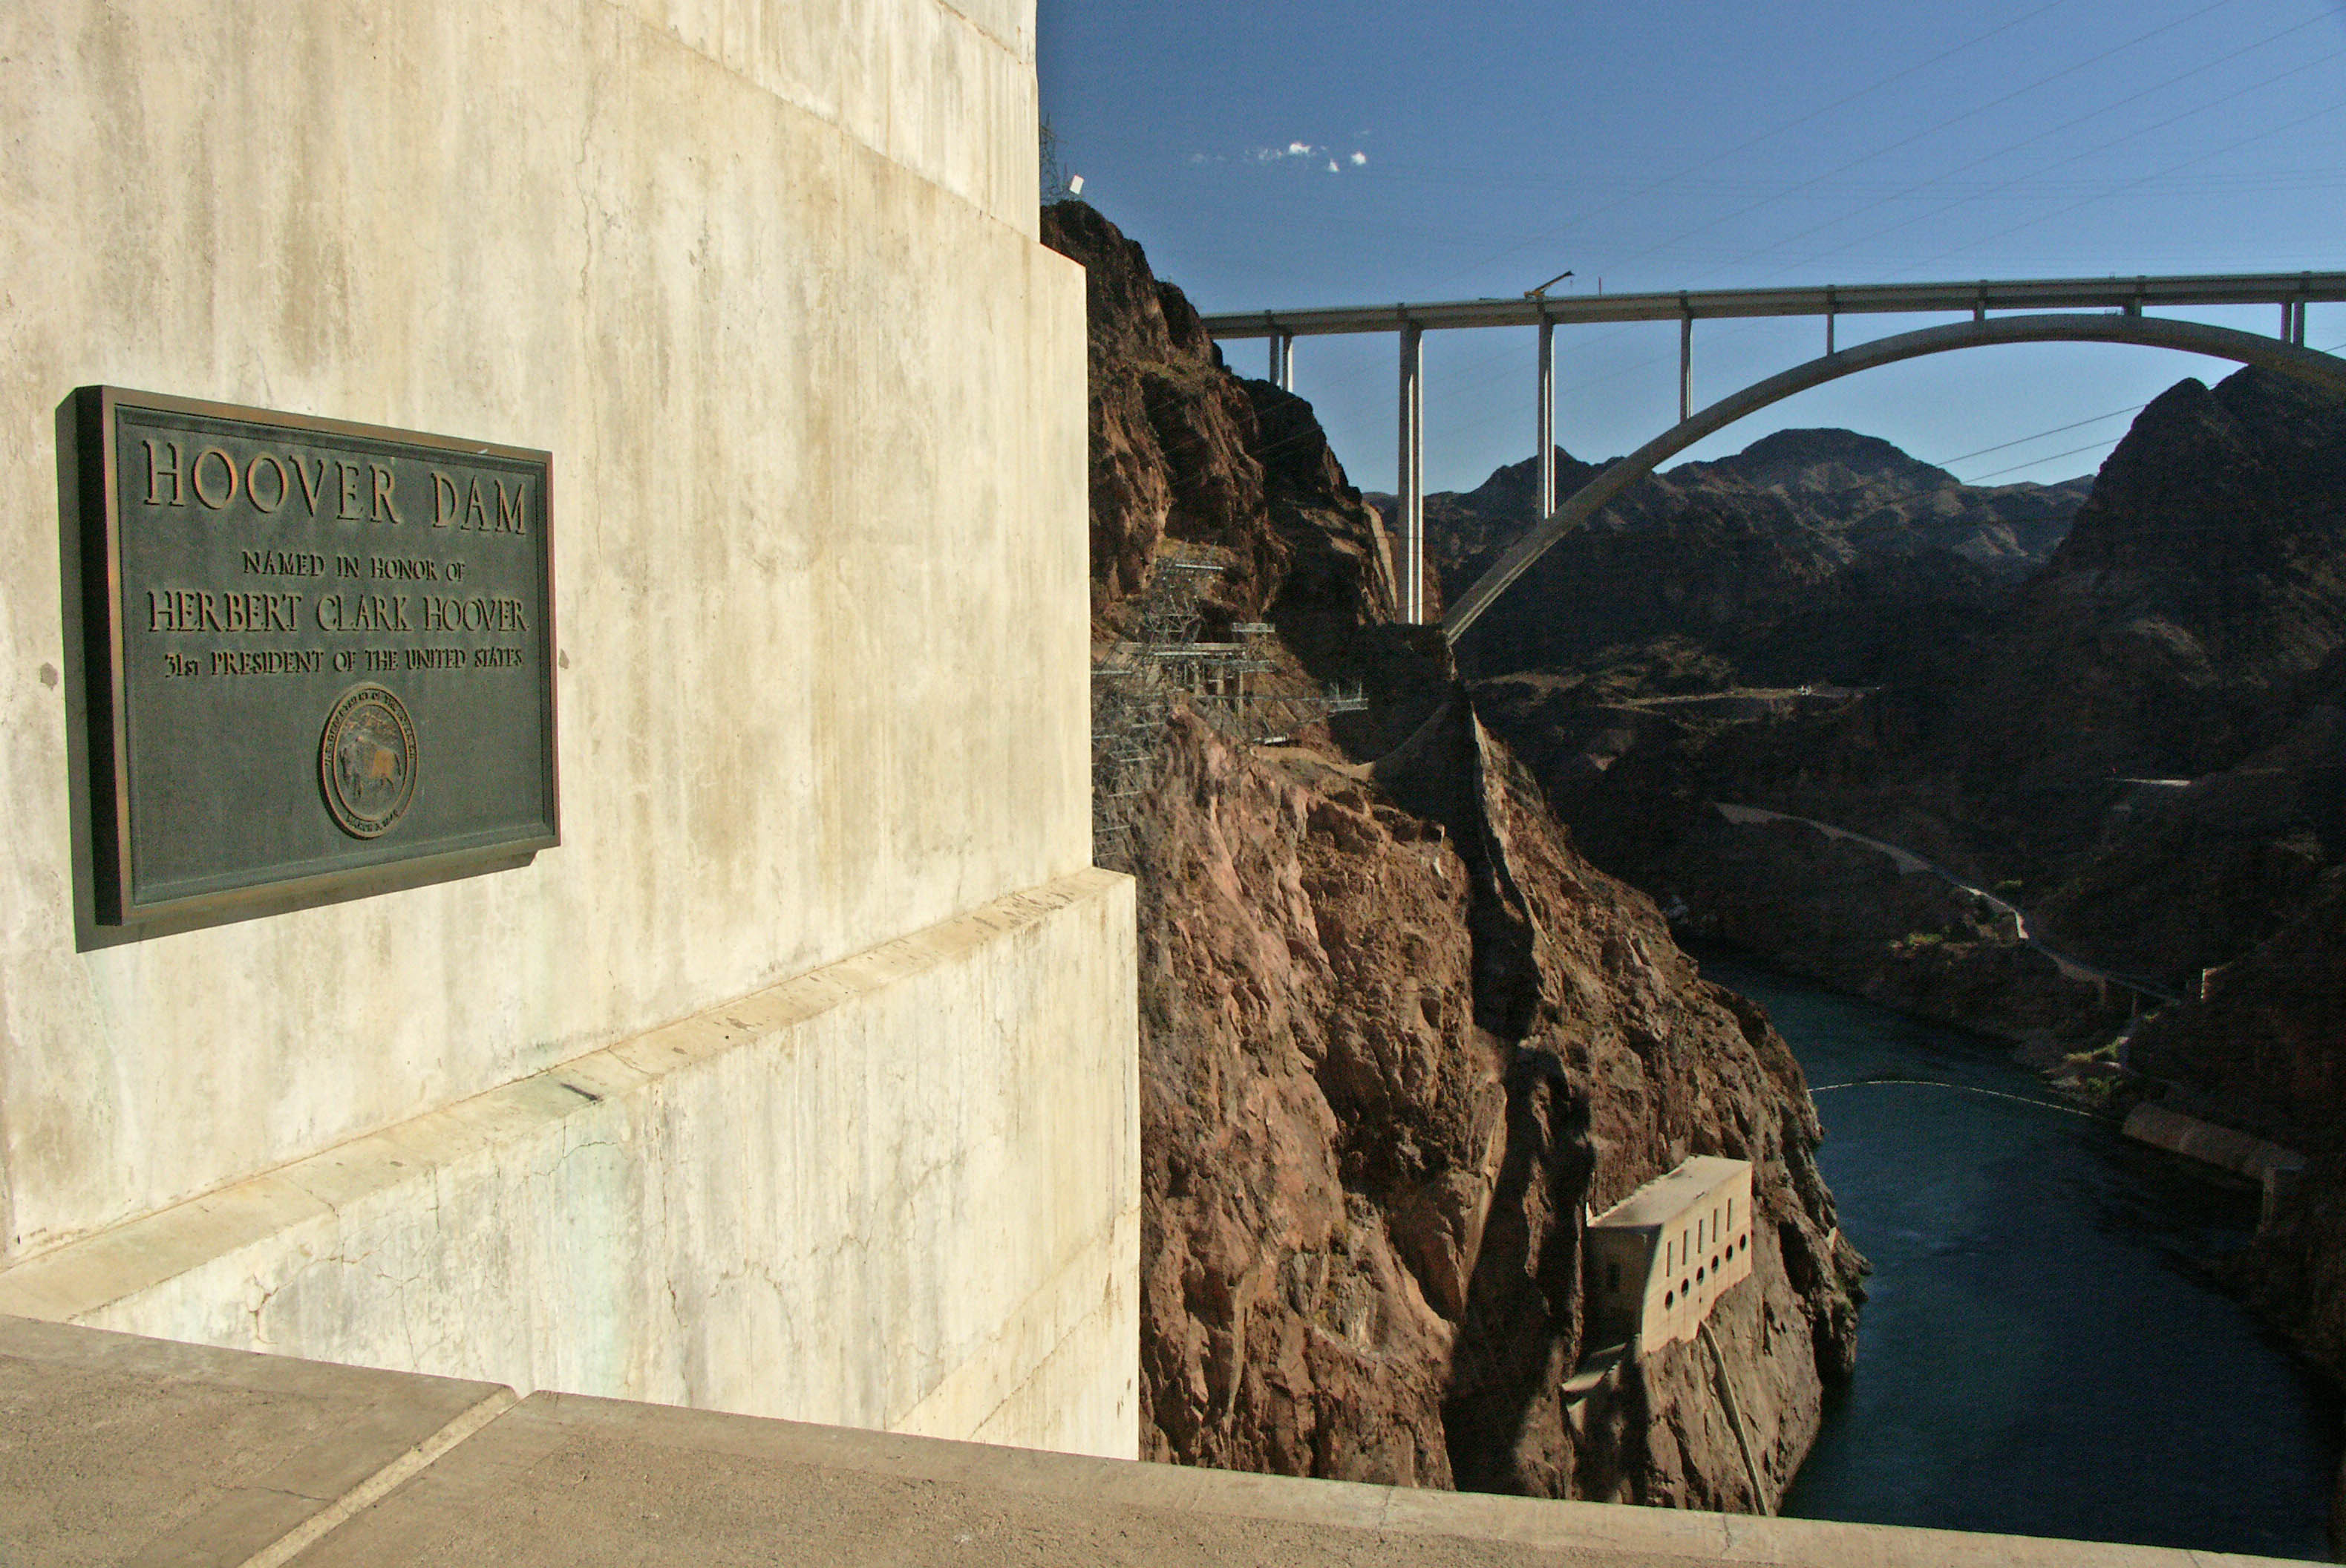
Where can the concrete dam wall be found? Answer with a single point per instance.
(799, 1078)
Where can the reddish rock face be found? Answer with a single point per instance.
(1363, 1211)
(1316, 1117)
(1172, 434)
(1397, 1037)
(1182, 449)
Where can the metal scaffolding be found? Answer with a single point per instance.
(1134, 685)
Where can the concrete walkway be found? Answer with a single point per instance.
(119, 1450)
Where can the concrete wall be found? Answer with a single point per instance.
(763, 278)
(870, 1196)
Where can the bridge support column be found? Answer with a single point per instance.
(1546, 418)
(1282, 360)
(1409, 480)
(1686, 361)
(2297, 332)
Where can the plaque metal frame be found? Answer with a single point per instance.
(110, 905)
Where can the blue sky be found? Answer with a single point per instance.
(1478, 147)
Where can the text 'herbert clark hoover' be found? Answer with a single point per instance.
(316, 656)
(333, 490)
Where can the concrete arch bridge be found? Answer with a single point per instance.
(2072, 309)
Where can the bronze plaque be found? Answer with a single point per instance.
(317, 658)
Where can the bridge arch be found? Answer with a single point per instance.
(2148, 331)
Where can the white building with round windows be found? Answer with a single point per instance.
(1659, 1257)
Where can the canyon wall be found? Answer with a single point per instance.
(1398, 1039)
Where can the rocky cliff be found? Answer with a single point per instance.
(2171, 632)
(2156, 723)
(1399, 1040)
(1643, 781)
(2139, 741)
(1183, 450)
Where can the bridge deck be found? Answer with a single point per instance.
(1825, 299)
(2036, 299)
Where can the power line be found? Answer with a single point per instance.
(2107, 193)
(1934, 129)
(2032, 463)
(1964, 1088)
(1456, 375)
(2077, 205)
(1992, 190)
(2297, 177)
(1770, 134)
(2056, 429)
(2055, 130)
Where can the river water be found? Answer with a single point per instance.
(2037, 1355)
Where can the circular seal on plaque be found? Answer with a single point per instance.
(366, 761)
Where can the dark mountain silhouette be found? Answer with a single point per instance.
(1813, 556)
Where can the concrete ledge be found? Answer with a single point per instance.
(117, 1449)
(565, 1480)
(900, 1190)
(636, 1483)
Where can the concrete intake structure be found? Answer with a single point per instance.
(2276, 1170)
(801, 1079)
(1659, 1257)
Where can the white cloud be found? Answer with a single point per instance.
(1334, 160)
